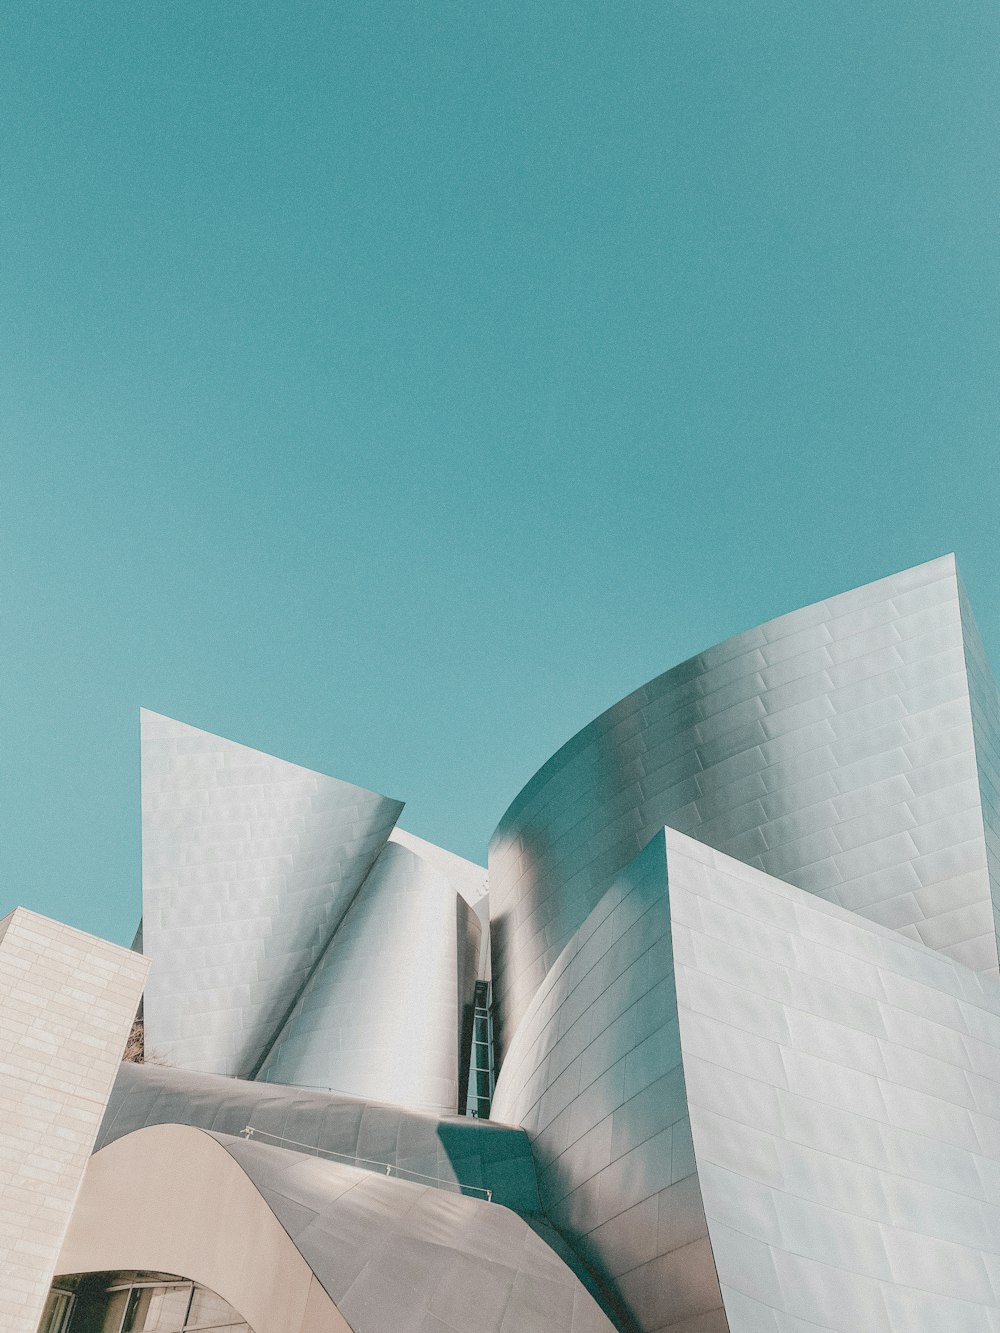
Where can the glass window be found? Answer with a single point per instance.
(210, 1311)
(57, 1312)
(140, 1303)
(114, 1314)
(135, 1310)
(168, 1308)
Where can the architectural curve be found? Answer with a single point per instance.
(190, 1209)
(834, 747)
(595, 1076)
(248, 865)
(795, 1123)
(387, 1255)
(381, 1015)
(455, 1153)
(844, 1094)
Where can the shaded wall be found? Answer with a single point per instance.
(381, 1015)
(595, 1075)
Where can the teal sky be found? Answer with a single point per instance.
(393, 386)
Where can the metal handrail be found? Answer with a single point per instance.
(402, 1172)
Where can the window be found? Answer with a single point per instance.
(138, 1303)
(58, 1309)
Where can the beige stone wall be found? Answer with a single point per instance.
(67, 1002)
(190, 1209)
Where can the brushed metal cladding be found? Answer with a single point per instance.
(402, 1258)
(594, 1074)
(832, 747)
(457, 1153)
(832, 1089)
(391, 1256)
(469, 880)
(985, 702)
(843, 1085)
(380, 1016)
(248, 865)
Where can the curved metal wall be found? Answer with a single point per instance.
(457, 1153)
(265, 1227)
(248, 865)
(595, 1076)
(395, 1255)
(380, 1016)
(832, 747)
(796, 1124)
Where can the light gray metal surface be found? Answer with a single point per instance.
(467, 878)
(396, 1257)
(832, 747)
(985, 702)
(454, 1153)
(594, 1074)
(248, 865)
(380, 1016)
(844, 1094)
(833, 1089)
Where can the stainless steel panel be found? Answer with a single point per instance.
(854, 1180)
(801, 747)
(248, 865)
(379, 1016)
(455, 1154)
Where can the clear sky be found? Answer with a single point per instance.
(393, 386)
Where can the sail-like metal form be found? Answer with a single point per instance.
(249, 864)
(381, 1015)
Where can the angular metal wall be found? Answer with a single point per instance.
(985, 701)
(832, 747)
(380, 1016)
(844, 1094)
(248, 865)
(833, 1087)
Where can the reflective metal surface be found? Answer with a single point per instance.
(844, 1095)
(248, 865)
(985, 703)
(455, 1153)
(798, 1121)
(391, 1255)
(396, 1256)
(380, 1015)
(595, 1076)
(833, 747)
(759, 1072)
